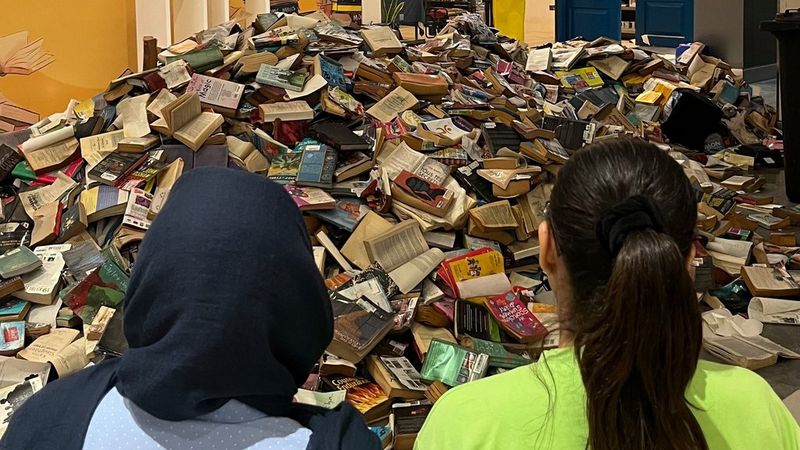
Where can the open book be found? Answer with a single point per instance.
(397, 246)
(185, 121)
(20, 57)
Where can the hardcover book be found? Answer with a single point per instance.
(337, 135)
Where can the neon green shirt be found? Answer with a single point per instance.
(542, 405)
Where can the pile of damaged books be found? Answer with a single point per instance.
(423, 170)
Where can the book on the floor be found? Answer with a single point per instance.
(453, 365)
(245, 155)
(104, 286)
(514, 317)
(51, 157)
(309, 198)
(10, 286)
(317, 165)
(138, 144)
(422, 194)
(423, 335)
(539, 59)
(580, 79)
(571, 133)
(407, 420)
(103, 201)
(352, 164)
(18, 262)
(337, 135)
(286, 79)
(359, 324)
(331, 70)
(396, 376)
(13, 235)
(286, 111)
(347, 213)
(770, 282)
(565, 57)
(284, 167)
(14, 310)
(774, 310)
(185, 120)
(136, 210)
(365, 396)
(370, 226)
(472, 319)
(397, 246)
(215, 91)
(613, 66)
(498, 355)
(116, 166)
(498, 135)
(381, 40)
(397, 101)
(41, 285)
(9, 158)
(12, 337)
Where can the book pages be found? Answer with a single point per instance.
(397, 246)
(95, 148)
(410, 274)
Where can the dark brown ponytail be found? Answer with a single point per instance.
(623, 215)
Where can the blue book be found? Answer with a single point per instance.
(317, 165)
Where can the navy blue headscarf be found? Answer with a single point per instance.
(225, 302)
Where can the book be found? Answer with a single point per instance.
(422, 84)
(116, 166)
(245, 155)
(396, 376)
(10, 286)
(13, 235)
(571, 133)
(52, 156)
(138, 144)
(539, 59)
(365, 396)
(396, 246)
(18, 262)
(613, 66)
(14, 310)
(12, 337)
(286, 79)
(142, 175)
(498, 355)
(284, 167)
(331, 70)
(565, 57)
(452, 364)
(514, 317)
(397, 101)
(136, 210)
(309, 198)
(472, 319)
(185, 120)
(9, 158)
(103, 201)
(317, 165)
(407, 420)
(104, 286)
(347, 213)
(421, 194)
(381, 41)
(20, 57)
(359, 324)
(352, 164)
(580, 79)
(214, 91)
(337, 135)
(770, 282)
(286, 111)
(41, 285)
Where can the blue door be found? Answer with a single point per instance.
(664, 23)
(588, 18)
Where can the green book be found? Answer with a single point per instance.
(104, 286)
(200, 60)
(498, 355)
(451, 364)
(287, 79)
(19, 261)
(23, 171)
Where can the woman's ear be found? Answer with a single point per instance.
(548, 252)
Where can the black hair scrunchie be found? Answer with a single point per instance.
(638, 212)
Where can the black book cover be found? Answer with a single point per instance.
(468, 176)
(498, 135)
(116, 166)
(337, 135)
(9, 158)
(409, 417)
(572, 134)
(472, 319)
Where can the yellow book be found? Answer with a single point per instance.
(649, 97)
(488, 263)
(579, 79)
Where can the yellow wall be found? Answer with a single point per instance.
(93, 42)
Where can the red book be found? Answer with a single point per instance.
(513, 316)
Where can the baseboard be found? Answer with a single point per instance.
(761, 73)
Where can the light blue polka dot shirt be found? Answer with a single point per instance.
(119, 424)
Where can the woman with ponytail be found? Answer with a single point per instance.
(617, 246)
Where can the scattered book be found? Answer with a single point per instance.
(309, 198)
(185, 120)
(286, 79)
(116, 166)
(317, 165)
(770, 282)
(287, 112)
(453, 365)
(18, 262)
(215, 91)
(365, 396)
(515, 318)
